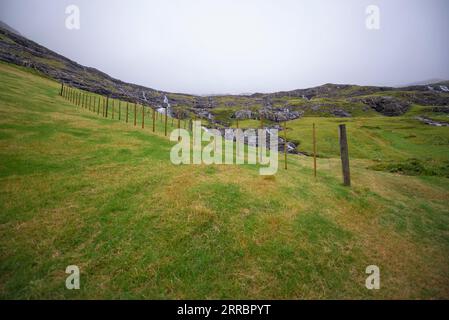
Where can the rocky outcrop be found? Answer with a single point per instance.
(251, 137)
(441, 109)
(276, 115)
(386, 105)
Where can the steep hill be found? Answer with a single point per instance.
(340, 100)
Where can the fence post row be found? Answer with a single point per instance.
(84, 100)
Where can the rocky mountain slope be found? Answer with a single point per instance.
(326, 100)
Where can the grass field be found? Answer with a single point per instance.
(76, 188)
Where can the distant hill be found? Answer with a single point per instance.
(8, 28)
(328, 99)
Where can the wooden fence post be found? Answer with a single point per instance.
(143, 116)
(107, 106)
(314, 151)
(135, 114)
(98, 106)
(153, 119)
(113, 109)
(127, 107)
(285, 144)
(119, 110)
(179, 127)
(344, 155)
(62, 89)
(166, 118)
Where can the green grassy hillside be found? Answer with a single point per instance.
(76, 188)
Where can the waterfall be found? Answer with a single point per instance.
(161, 109)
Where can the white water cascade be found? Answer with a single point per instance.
(161, 109)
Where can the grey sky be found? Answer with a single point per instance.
(237, 46)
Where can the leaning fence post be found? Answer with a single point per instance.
(314, 151)
(344, 155)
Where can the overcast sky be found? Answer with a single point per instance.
(242, 46)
